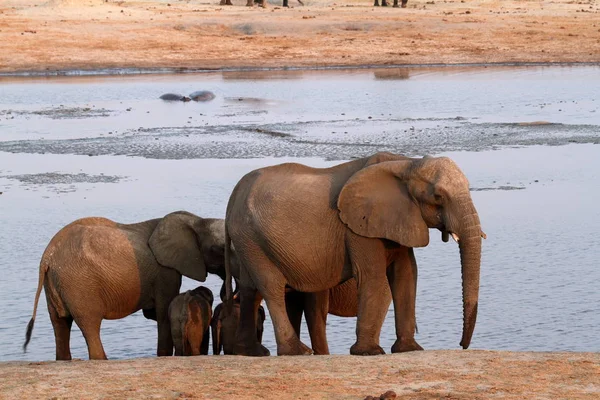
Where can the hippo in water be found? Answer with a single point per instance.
(202, 95)
(174, 97)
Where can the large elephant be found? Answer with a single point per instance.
(341, 300)
(95, 269)
(312, 229)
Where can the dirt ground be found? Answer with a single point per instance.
(39, 35)
(420, 375)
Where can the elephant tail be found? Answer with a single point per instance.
(228, 285)
(43, 271)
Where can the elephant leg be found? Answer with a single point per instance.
(195, 348)
(285, 3)
(177, 336)
(384, 3)
(404, 2)
(246, 342)
(288, 343)
(170, 283)
(215, 328)
(194, 338)
(294, 304)
(204, 344)
(376, 3)
(62, 333)
(271, 283)
(250, 3)
(315, 312)
(402, 277)
(90, 328)
(369, 269)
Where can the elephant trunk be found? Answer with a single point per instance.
(469, 234)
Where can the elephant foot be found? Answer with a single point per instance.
(402, 346)
(297, 349)
(256, 350)
(361, 350)
(403, 5)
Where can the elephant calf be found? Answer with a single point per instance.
(190, 314)
(224, 326)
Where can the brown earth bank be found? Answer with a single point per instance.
(50, 35)
(472, 374)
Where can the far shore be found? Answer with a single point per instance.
(170, 71)
(434, 374)
(74, 36)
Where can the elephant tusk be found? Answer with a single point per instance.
(455, 237)
(483, 235)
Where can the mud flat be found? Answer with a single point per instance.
(421, 375)
(58, 35)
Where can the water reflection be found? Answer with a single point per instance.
(392, 74)
(262, 75)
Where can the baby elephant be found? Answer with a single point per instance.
(224, 326)
(190, 314)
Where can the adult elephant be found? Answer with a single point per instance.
(341, 301)
(313, 229)
(95, 269)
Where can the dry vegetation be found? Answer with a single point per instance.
(88, 34)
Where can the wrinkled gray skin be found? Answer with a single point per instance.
(174, 97)
(202, 95)
(95, 269)
(190, 314)
(312, 229)
(224, 325)
(385, 4)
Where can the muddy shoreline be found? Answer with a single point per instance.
(174, 71)
(472, 374)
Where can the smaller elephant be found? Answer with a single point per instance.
(385, 4)
(224, 326)
(95, 269)
(250, 3)
(190, 314)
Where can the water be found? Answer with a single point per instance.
(538, 204)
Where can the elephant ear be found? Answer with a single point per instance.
(375, 202)
(175, 245)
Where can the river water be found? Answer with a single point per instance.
(525, 137)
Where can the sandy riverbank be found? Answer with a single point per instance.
(420, 375)
(92, 34)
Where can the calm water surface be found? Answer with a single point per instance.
(538, 204)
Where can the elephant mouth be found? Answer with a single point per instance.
(446, 235)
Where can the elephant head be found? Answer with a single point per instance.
(400, 200)
(189, 244)
(203, 292)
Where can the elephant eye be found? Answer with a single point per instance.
(438, 198)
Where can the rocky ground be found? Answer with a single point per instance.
(90, 34)
(419, 375)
